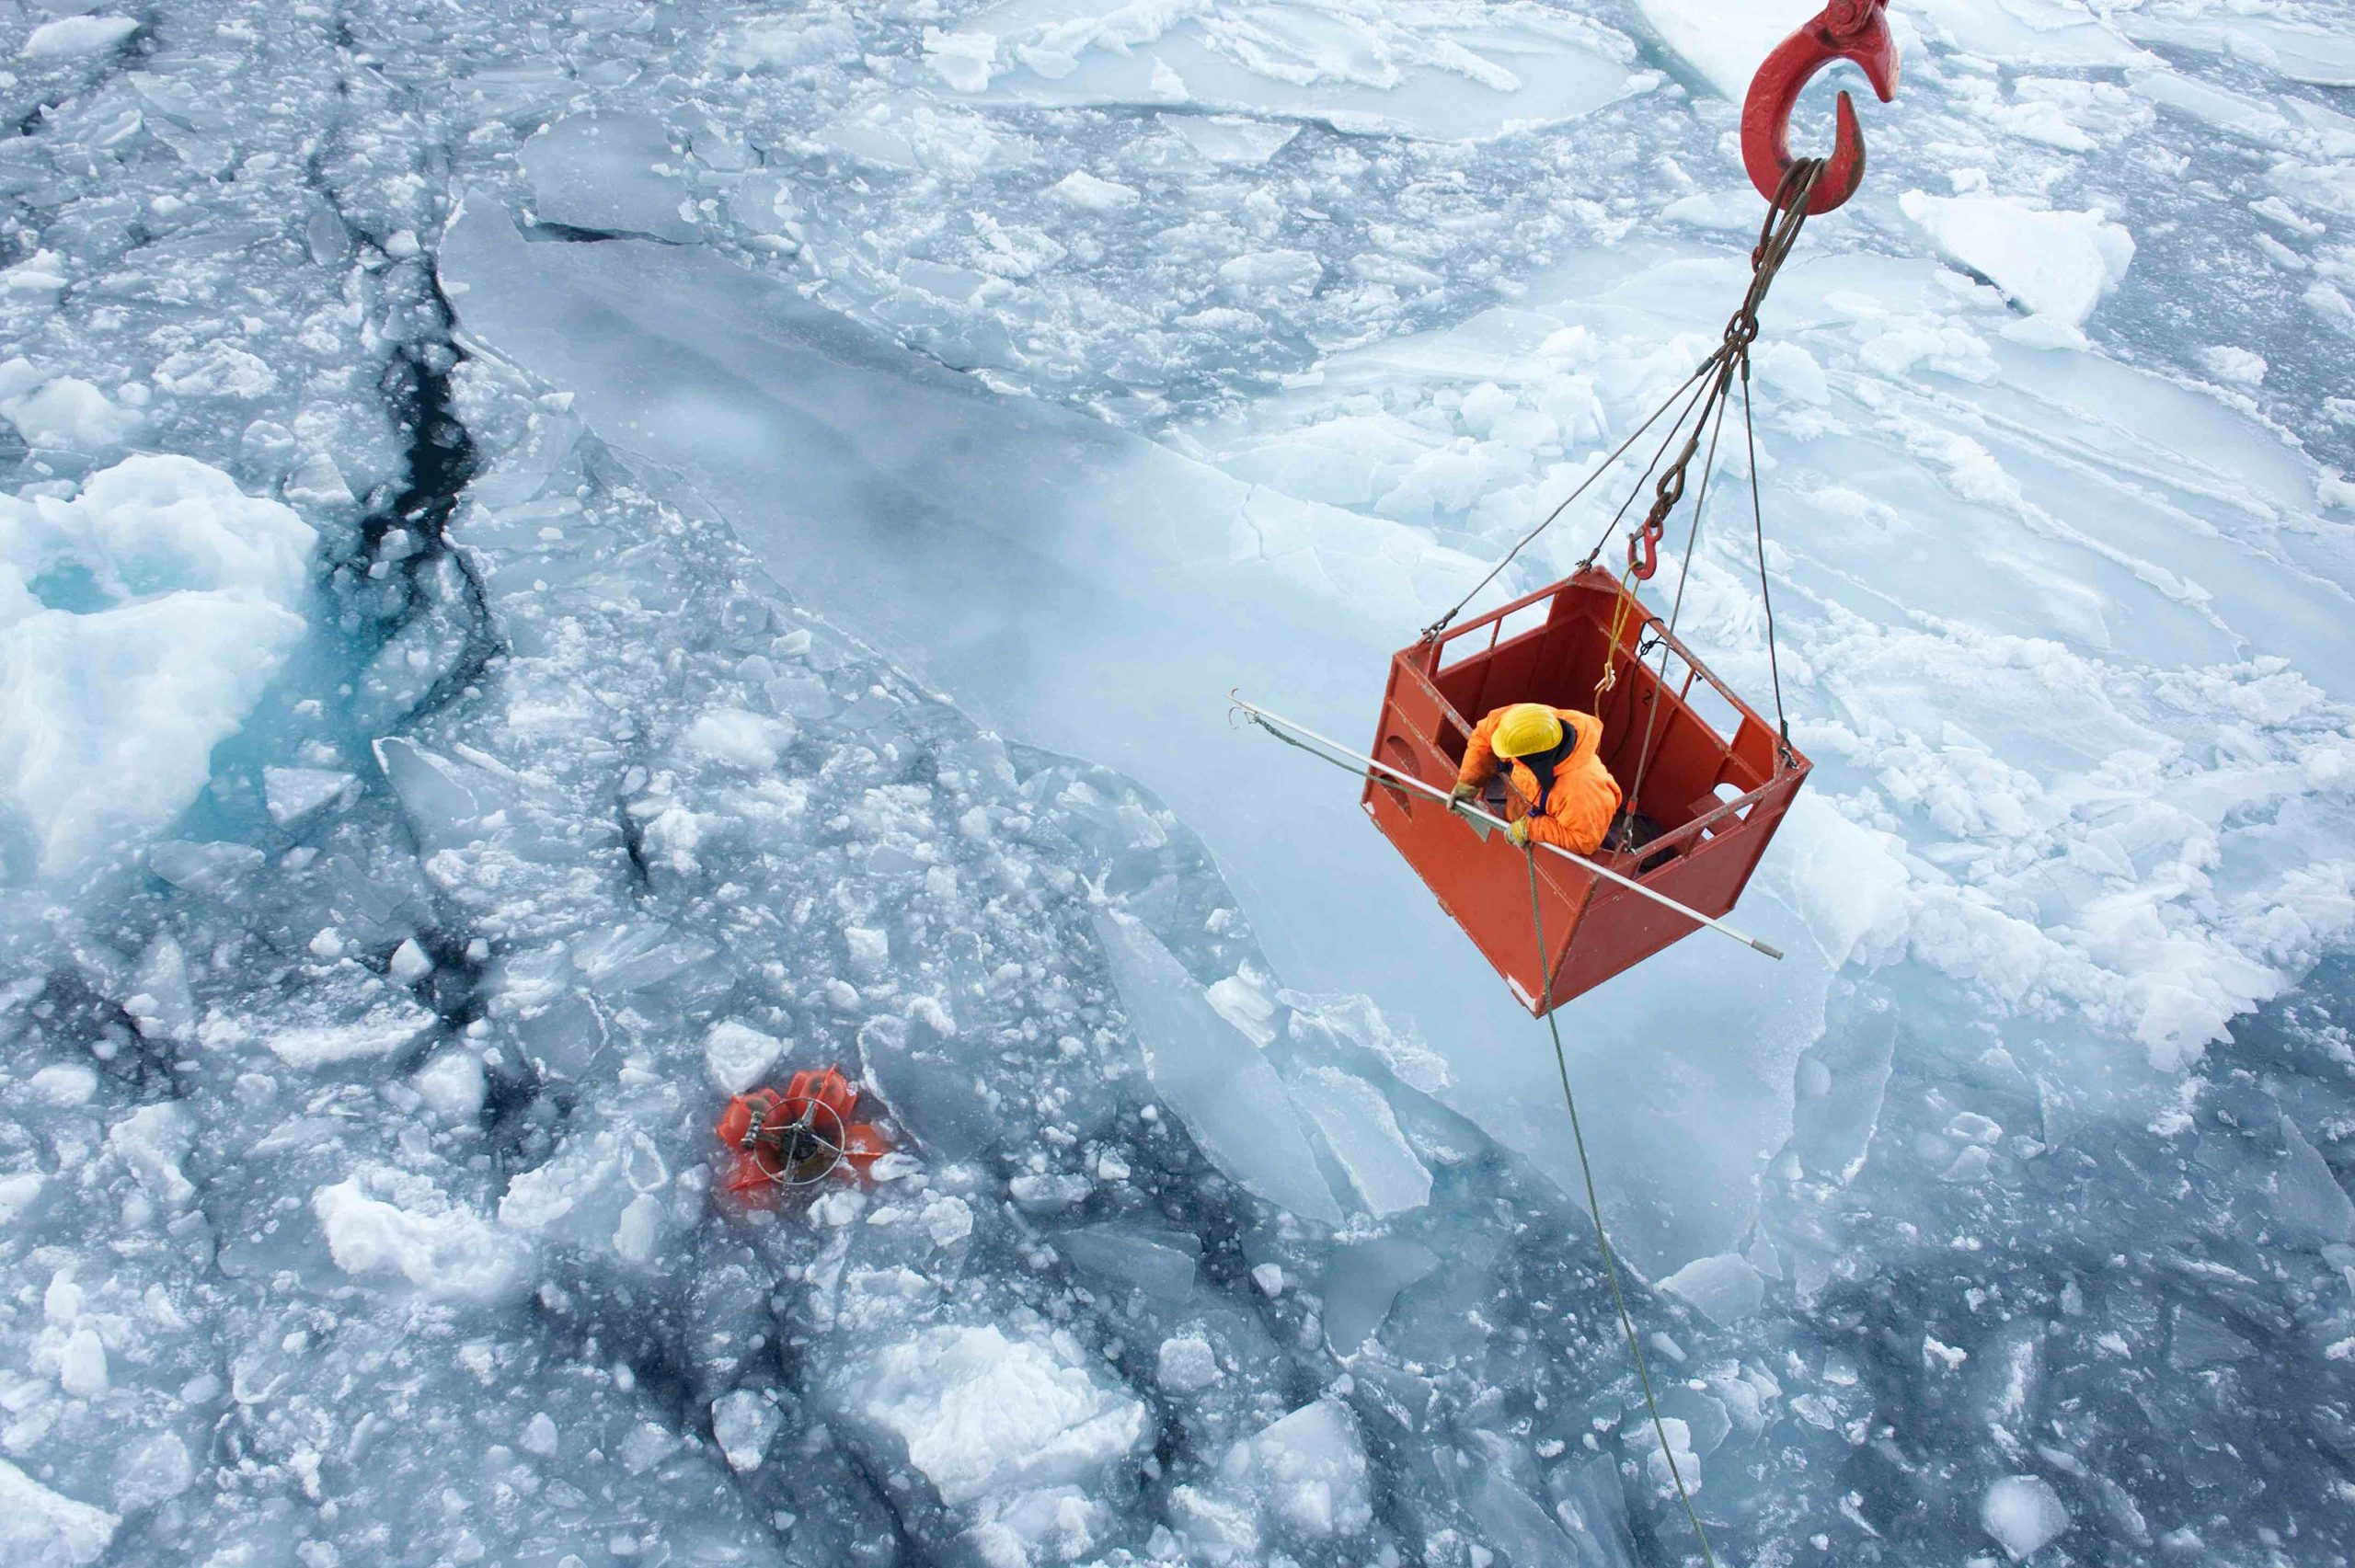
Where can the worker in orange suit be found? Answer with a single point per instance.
(1550, 760)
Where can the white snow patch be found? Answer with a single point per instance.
(139, 623)
(2053, 263)
(39, 1528)
(69, 37)
(62, 411)
(1082, 190)
(983, 1414)
(2023, 1512)
(418, 1233)
(739, 1054)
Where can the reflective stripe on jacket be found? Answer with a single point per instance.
(1584, 798)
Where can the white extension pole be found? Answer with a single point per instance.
(1602, 870)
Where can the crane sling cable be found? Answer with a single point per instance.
(1785, 216)
(1708, 383)
(1334, 752)
(1595, 1212)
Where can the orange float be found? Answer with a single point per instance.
(796, 1138)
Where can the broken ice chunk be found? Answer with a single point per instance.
(163, 1007)
(736, 738)
(742, 1424)
(540, 1436)
(963, 59)
(738, 1055)
(452, 1085)
(62, 412)
(1084, 190)
(1306, 1472)
(870, 950)
(201, 868)
(608, 174)
(410, 964)
(2056, 264)
(2308, 1196)
(1215, 1080)
(1362, 1282)
(1187, 1365)
(2023, 1512)
(40, 1527)
(415, 1232)
(293, 794)
(981, 1414)
(153, 1140)
(1158, 1263)
(69, 37)
(1724, 1288)
(1359, 1127)
(384, 1029)
(1241, 1001)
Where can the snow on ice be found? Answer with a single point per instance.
(140, 617)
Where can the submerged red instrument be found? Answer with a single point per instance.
(796, 1138)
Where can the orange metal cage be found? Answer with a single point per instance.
(1717, 787)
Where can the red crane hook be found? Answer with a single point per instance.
(1847, 29)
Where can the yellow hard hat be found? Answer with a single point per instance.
(1527, 729)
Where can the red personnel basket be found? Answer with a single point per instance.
(1710, 807)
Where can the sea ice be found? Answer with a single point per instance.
(981, 1414)
(614, 173)
(2057, 264)
(140, 620)
(42, 1529)
(68, 37)
(2024, 1514)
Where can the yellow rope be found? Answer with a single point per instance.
(1611, 645)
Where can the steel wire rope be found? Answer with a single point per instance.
(1765, 592)
(1578, 1135)
(1600, 469)
(1785, 216)
(1595, 1212)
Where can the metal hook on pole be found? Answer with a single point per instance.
(1856, 30)
(1340, 755)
